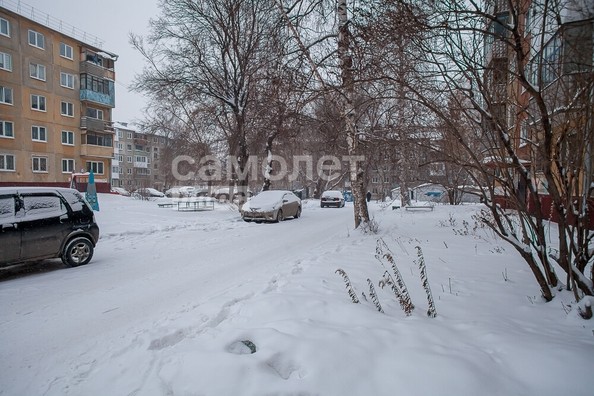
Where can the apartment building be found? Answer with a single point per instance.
(558, 62)
(57, 93)
(140, 159)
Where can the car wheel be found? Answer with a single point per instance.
(321, 205)
(247, 220)
(78, 251)
(279, 216)
(298, 214)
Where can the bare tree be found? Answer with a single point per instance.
(334, 70)
(205, 57)
(517, 74)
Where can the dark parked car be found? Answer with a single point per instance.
(39, 223)
(272, 205)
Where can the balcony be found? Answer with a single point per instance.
(495, 50)
(93, 124)
(96, 70)
(98, 97)
(90, 150)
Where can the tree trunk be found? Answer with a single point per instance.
(356, 173)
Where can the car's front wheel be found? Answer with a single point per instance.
(279, 216)
(298, 214)
(78, 251)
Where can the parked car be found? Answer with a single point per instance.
(222, 194)
(147, 193)
(38, 223)
(332, 198)
(173, 192)
(120, 191)
(272, 205)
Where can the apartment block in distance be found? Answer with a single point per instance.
(140, 159)
(57, 93)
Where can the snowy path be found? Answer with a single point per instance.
(168, 293)
(194, 269)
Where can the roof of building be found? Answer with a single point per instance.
(28, 12)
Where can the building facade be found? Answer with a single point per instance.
(57, 94)
(140, 159)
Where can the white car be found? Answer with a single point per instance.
(120, 191)
(332, 198)
(272, 205)
(147, 193)
(187, 191)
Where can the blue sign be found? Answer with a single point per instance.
(91, 194)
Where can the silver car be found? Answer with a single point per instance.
(272, 205)
(332, 198)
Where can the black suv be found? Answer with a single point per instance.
(39, 223)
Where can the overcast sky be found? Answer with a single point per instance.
(111, 21)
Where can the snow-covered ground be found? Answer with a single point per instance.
(169, 296)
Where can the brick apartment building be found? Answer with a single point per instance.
(57, 93)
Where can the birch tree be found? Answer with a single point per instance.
(334, 71)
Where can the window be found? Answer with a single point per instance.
(129, 158)
(5, 61)
(97, 139)
(6, 162)
(129, 135)
(140, 158)
(67, 165)
(94, 84)
(39, 133)
(67, 109)
(374, 179)
(36, 39)
(6, 129)
(120, 146)
(523, 133)
(5, 95)
(38, 102)
(551, 60)
(37, 71)
(120, 158)
(94, 113)
(39, 164)
(129, 147)
(68, 138)
(96, 167)
(129, 171)
(4, 27)
(7, 207)
(65, 51)
(67, 80)
(43, 206)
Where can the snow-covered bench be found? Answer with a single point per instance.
(419, 207)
